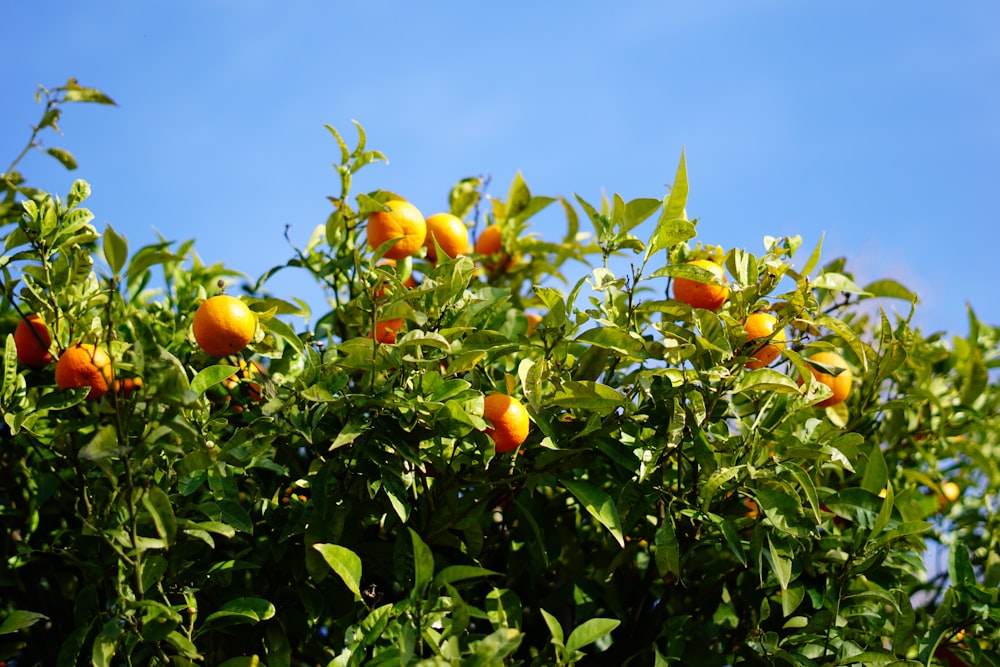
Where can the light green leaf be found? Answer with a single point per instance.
(19, 620)
(161, 512)
(209, 377)
(588, 396)
(241, 611)
(766, 379)
(423, 563)
(345, 563)
(589, 632)
(599, 504)
(115, 249)
(613, 338)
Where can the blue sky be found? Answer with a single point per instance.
(876, 123)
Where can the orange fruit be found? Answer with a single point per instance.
(84, 365)
(223, 325)
(761, 325)
(702, 295)
(839, 384)
(32, 341)
(489, 244)
(509, 419)
(128, 386)
(534, 319)
(951, 491)
(403, 221)
(753, 509)
(450, 233)
(386, 330)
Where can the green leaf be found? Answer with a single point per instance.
(65, 157)
(161, 512)
(636, 212)
(599, 504)
(668, 233)
(518, 196)
(19, 620)
(589, 632)
(780, 558)
(284, 331)
(876, 474)
(613, 338)
(814, 257)
(889, 289)
(837, 282)
(240, 611)
(667, 553)
(76, 93)
(454, 573)
(555, 628)
(766, 379)
(209, 377)
(673, 207)
(588, 396)
(423, 563)
(960, 567)
(345, 563)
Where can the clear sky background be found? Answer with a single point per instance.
(876, 123)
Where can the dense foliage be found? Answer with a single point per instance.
(325, 498)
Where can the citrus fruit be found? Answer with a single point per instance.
(702, 295)
(489, 244)
(762, 325)
(509, 419)
(951, 491)
(403, 221)
(32, 341)
(128, 386)
(223, 325)
(386, 330)
(753, 509)
(534, 319)
(449, 232)
(839, 384)
(84, 365)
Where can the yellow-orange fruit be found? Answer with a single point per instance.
(223, 325)
(839, 384)
(761, 325)
(403, 221)
(32, 341)
(386, 330)
(702, 295)
(85, 365)
(449, 232)
(509, 419)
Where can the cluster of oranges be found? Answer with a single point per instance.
(763, 326)
(404, 225)
(224, 325)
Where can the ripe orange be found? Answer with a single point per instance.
(489, 244)
(84, 365)
(223, 325)
(753, 509)
(402, 222)
(509, 419)
(450, 233)
(386, 330)
(534, 319)
(839, 384)
(761, 325)
(32, 341)
(702, 295)
(128, 386)
(951, 492)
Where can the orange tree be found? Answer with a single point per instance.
(329, 495)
